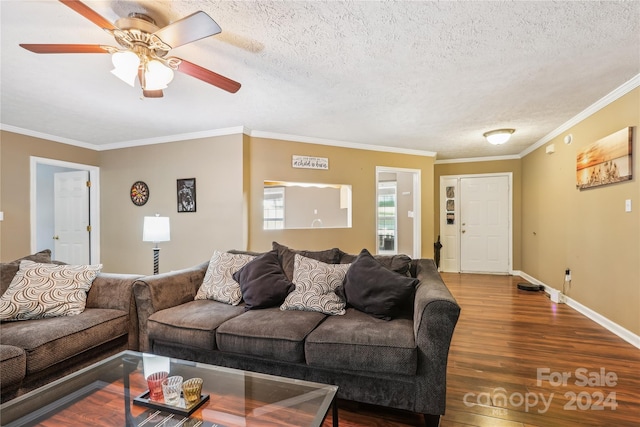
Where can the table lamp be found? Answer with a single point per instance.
(156, 229)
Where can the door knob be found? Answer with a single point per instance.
(56, 238)
(464, 231)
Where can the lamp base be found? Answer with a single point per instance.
(156, 259)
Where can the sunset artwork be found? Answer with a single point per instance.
(606, 161)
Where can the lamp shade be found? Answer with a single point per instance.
(157, 75)
(498, 136)
(156, 229)
(126, 66)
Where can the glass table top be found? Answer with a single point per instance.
(109, 393)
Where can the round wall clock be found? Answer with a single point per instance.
(139, 193)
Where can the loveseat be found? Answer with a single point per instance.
(38, 351)
(398, 361)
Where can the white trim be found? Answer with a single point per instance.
(478, 159)
(612, 96)
(336, 143)
(172, 138)
(94, 204)
(601, 320)
(47, 136)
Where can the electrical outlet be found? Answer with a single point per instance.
(567, 275)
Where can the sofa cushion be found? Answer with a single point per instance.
(13, 365)
(269, 333)
(49, 341)
(47, 290)
(9, 269)
(315, 286)
(372, 288)
(399, 263)
(359, 342)
(287, 257)
(191, 324)
(218, 283)
(262, 282)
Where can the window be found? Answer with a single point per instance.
(273, 208)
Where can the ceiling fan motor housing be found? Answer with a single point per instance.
(137, 30)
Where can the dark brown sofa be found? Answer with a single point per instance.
(36, 352)
(399, 363)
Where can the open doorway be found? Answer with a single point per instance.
(65, 217)
(398, 202)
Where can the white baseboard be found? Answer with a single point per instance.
(620, 331)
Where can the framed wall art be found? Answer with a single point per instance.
(606, 161)
(186, 195)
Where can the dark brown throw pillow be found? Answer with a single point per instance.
(9, 269)
(287, 257)
(399, 263)
(374, 289)
(262, 282)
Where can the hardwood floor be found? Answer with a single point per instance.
(506, 364)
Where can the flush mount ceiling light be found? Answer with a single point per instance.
(498, 136)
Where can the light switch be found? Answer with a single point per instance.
(1, 216)
(627, 205)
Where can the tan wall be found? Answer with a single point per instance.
(271, 160)
(498, 166)
(15, 153)
(216, 163)
(587, 231)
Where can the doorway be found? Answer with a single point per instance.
(79, 214)
(398, 202)
(475, 223)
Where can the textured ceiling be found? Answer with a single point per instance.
(421, 75)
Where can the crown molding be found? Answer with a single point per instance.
(612, 96)
(336, 143)
(49, 137)
(172, 138)
(598, 105)
(478, 159)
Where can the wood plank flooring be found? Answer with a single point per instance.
(502, 340)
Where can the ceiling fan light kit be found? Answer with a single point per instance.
(498, 136)
(143, 49)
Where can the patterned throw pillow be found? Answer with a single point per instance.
(39, 291)
(9, 269)
(315, 284)
(218, 283)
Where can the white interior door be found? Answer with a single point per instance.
(484, 224)
(71, 217)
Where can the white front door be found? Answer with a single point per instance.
(71, 217)
(484, 224)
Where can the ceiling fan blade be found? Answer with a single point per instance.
(152, 93)
(208, 76)
(64, 48)
(189, 29)
(89, 13)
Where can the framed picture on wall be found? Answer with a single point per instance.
(606, 161)
(186, 195)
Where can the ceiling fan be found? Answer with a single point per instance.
(144, 47)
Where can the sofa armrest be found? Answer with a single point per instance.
(436, 313)
(161, 291)
(115, 291)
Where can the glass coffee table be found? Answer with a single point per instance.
(113, 392)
